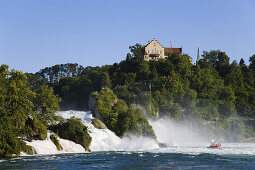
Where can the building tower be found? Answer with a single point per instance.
(198, 56)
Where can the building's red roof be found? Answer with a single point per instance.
(173, 50)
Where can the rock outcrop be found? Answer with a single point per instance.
(93, 108)
(98, 124)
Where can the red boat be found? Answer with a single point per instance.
(215, 144)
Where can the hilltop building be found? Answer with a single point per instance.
(155, 51)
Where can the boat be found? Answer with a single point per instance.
(215, 144)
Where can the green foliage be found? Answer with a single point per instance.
(35, 129)
(10, 144)
(143, 70)
(118, 117)
(28, 149)
(98, 124)
(137, 51)
(46, 104)
(252, 62)
(133, 122)
(148, 103)
(73, 129)
(122, 92)
(18, 116)
(55, 140)
(171, 109)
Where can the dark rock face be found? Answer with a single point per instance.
(94, 111)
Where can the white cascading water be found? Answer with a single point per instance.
(48, 147)
(106, 140)
(179, 138)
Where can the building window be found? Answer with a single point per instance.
(154, 44)
(160, 52)
(148, 51)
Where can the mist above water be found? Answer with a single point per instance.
(176, 133)
(179, 136)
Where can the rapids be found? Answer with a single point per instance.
(178, 137)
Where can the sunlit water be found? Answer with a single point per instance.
(131, 160)
(184, 150)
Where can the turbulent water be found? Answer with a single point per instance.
(185, 149)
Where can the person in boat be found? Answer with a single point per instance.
(215, 144)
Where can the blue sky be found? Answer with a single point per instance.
(39, 33)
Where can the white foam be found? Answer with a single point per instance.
(84, 116)
(182, 138)
(179, 138)
(48, 147)
(106, 140)
(227, 149)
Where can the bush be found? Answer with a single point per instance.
(35, 129)
(28, 149)
(73, 129)
(55, 140)
(98, 124)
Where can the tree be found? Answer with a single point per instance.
(137, 51)
(154, 73)
(143, 70)
(17, 97)
(129, 57)
(46, 104)
(241, 63)
(216, 59)
(252, 62)
(16, 107)
(235, 76)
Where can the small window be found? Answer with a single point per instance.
(160, 52)
(154, 44)
(148, 51)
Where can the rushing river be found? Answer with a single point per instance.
(183, 149)
(131, 160)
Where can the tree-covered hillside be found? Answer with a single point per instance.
(218, 94)
(213, 90)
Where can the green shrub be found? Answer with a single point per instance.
(98, 124)
(35, 129)
(28, 149)
(55, 140)
(73, 129)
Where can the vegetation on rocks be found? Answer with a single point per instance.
(55, 140)
(98, 124)
(74, 130)
(118, 117)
